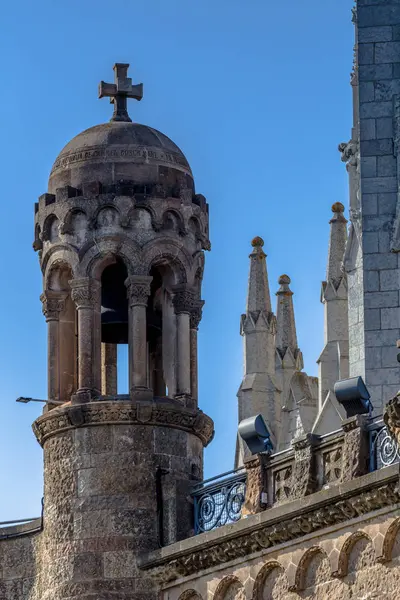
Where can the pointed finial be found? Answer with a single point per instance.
(286, 336)
(258, 297)
(337, 207)
(257, 241)
(337, 243)
(284, 281)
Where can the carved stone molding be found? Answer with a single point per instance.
(123, 412)
(186, 301)
(138, 287)
(52, 305)
(261, 535)
(85, 292)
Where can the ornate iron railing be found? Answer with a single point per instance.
(384, 450)
(219, 500)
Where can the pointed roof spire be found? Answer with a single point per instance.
(337, 244)
(286, 336)
(258, 298)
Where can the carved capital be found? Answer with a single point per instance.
(138, 287)
(196, 314)
(85, 292)
(186, 301)
(52, 305)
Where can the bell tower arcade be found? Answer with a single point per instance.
(121, 236)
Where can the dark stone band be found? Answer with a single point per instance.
(68, 417)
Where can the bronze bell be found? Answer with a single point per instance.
(114, 305)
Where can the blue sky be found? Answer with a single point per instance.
(257, 95)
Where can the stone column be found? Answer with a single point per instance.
(109, 369)
(184, 303)
(138, 293)
(53, 305)
(195, 318)
(85, 293)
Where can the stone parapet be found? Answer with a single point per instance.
(286, 523)
(312, 463)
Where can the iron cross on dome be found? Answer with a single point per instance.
(119, 91)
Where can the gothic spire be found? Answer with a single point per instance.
(286, 336)
(258, 298)
(337, 244)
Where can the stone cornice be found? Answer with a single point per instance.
(68, 417)
(275, 526)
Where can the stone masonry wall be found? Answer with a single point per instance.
(358, 562)
(17, 566)
(107, 490)
(376, 288)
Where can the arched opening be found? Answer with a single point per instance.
(162, 332)
(114, 329)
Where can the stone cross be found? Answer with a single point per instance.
(119, 91)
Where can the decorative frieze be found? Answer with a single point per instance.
(103, 413)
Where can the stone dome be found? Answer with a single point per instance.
(120, 151)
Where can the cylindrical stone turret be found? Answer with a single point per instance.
(121, 235)
(117, 481)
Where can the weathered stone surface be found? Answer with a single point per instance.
(304, 472)
(256, 484)
(287, 522)
(355, 448)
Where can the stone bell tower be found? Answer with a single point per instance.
(120, 234)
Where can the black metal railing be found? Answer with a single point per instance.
(219, 500)
(383, 448)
